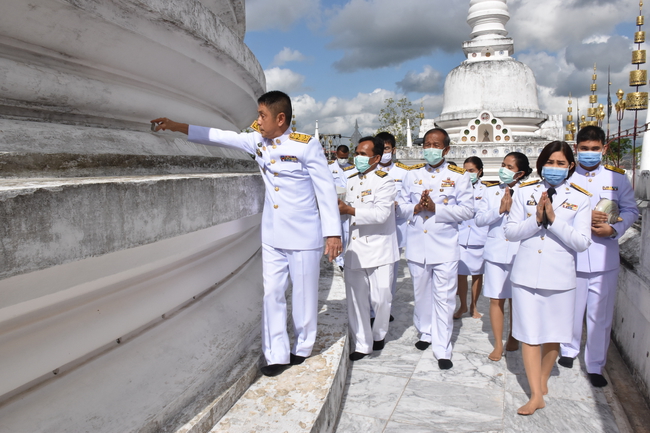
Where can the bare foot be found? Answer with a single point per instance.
(512, 345)
(474, 313)
(496, 354)
(530, 407)
(458, 314)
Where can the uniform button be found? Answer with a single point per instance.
(277, 188)
(426, 217)
(360, 183)
(277, 140)
(539, 251)
(432, 177)
(357, 196)
(590, 180)
(353, 238)
(469, 225)
(275, 174)
(354, 224)
(274, 146)
(361, 200)
(425, 231)
(275, 206)
(542, 237)
(507, 240)
(273, 161)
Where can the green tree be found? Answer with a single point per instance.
(618, 149)
(392, 118)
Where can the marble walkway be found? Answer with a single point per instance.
(401, 389)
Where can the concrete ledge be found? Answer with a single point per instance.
(307, 397)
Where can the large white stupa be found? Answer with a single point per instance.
(490, 102)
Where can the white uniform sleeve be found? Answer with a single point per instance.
(486, 215)
(519, 226)
(627, 207)
(221, 138)
(404, 205)
(321, 178)
(576, 236)
(381, 206)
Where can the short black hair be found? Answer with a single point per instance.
(522, 163)
(446, 141)
(386, 137)
(377, 144)
(278, 102)
(591, 133)
(550, 149)
(343, 148)
(478, 163)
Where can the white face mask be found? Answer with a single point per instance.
(386, 158)
(342, 161)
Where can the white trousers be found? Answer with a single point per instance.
(304, 269)
(361, 285)
(393, 287)
(596, 293)
(434, 288)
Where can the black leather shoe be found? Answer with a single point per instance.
(274, 369)
(378, 345)
(566, 362)
(445, 364)
(296, 360)
(597, 380)
(391, 318)
(422, 345)
(355, 356)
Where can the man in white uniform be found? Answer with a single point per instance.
(300, 208)
(397, 171)
(341, 169)
(372, 250)
(598, 266)
(434, 198)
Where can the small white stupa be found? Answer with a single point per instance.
(490, 105)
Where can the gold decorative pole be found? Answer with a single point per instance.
(636, 100)
(620, 112)
(569, 118)
(293, 123)
(592, 112)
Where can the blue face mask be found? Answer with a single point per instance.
(473, 177)
(589, 159)
(506, 176)
(362, 163)
(433, 156)
(554, 175)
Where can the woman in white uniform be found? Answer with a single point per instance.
(499, 253)
(552, 220)
(471, 239)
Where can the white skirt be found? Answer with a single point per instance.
(542, 316)
(471, 260)
(497, 280)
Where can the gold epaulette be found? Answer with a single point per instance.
(456, 169)
(352, 175)
(416, 166)
(615, 169)
(301, 138)
(349, 167)
(490, 183)
(381, 173)
(330, 162)
(404, 166)
(532, 182)
(581, 189)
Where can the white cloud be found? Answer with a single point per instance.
(284, 79)
(278, 14)
(427, 81)
(287, 55)
(379, 33)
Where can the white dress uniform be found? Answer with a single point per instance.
(432, 247)
(341, 174)
(300, 208)
(472, 237)
(499, 251)
(544, 270)
(397, 171)
(371, 253)
(598, 266)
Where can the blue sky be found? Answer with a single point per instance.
(339, 60)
